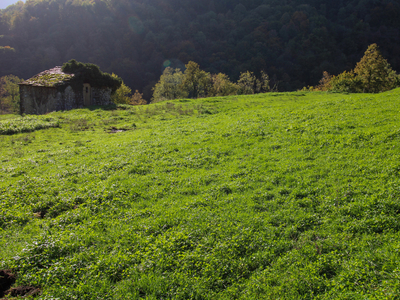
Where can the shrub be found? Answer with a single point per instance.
(372, 74)
(137, 99)
(346, 82)
(90, 73)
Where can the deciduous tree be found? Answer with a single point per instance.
(262, 84)
(247, 83)
(197, 82)
(222, 86)
(250, 84)
(170, 86)
(122, 94)
(374, 72)
(9, 93)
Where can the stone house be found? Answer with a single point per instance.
(54, 90)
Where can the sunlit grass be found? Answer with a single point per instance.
(7, 116)
(286, 195)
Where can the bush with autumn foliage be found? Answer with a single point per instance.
(372, 74)
(137, 99)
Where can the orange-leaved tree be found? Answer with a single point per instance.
(325, 84)
(137, 99)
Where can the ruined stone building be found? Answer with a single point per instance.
(54, 90)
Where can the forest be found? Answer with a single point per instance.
(293, 41)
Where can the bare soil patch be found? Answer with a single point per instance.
(7, 279)
(23, 291)
(116, 130)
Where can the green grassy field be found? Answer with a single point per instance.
(273, 196)
(7, 116)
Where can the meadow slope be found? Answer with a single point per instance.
(270, 196)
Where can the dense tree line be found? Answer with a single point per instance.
(293, 41)
(195, 83)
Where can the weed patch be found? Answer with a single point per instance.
(26, 124)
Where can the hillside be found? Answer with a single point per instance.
(281, 195)
(293, 41)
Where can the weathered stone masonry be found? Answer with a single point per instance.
(49, 91)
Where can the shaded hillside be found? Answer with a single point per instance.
(292, 40)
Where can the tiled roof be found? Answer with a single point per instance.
(49, 78)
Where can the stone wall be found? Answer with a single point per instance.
(40, 100)
(70, 99)
(101, 97)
